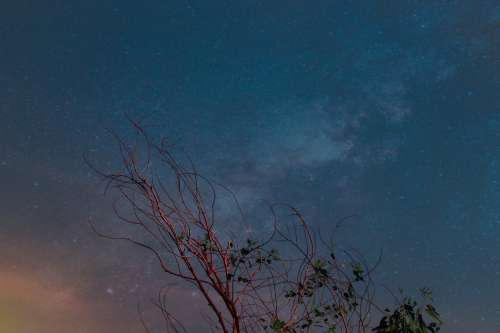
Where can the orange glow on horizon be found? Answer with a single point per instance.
(29, 306)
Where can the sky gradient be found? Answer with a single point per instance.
(385, 109)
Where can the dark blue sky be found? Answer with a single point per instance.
(385, 109)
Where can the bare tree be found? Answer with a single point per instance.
(290, 281)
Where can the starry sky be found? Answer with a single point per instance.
(389, 110)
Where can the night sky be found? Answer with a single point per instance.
(389, 110)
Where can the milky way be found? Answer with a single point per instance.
(387, 110)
